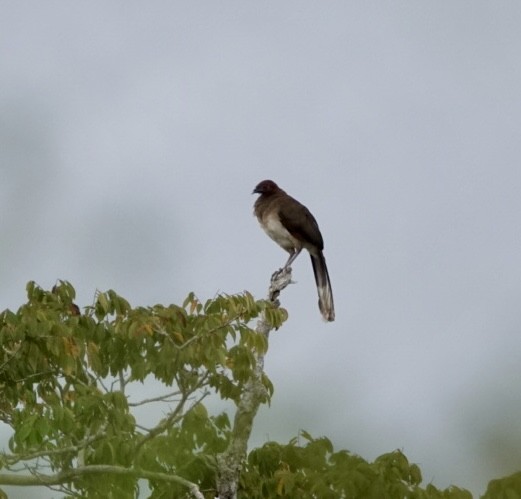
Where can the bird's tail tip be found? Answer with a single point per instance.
(327, 310)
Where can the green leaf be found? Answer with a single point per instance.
(42, 427)
(200, 411)
(103, 303)
(22, 433)
(306, 435)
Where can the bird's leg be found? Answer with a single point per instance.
(292, 256)
(287, 267)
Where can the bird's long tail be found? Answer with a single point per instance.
(325, 293)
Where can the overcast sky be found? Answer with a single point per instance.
(133, 133)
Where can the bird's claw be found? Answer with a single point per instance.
(281, 271)
(276, 273)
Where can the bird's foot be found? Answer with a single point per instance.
(281, 272)
(279, 280)
(277, 273)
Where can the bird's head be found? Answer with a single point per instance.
(266, 187)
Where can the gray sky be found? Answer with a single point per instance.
(131, 137)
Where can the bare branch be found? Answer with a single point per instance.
(230, 461)
(279, 281)
(12, 460)
(98, 379)
(160, 398)
(166, 423)
(34, 375)
(122, 381)
(67, 476)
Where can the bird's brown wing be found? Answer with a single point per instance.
(299, 222)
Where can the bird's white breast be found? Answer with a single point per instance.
(274, 228)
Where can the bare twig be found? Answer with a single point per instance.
(176, 414)
(160, 398)
(98, 379)
(34, 375)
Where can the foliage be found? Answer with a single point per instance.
(65, 375)
(315, 470)
(67, 380)
(505, 488)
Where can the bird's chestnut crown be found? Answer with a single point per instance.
(266, 187)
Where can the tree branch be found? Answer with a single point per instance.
(230, 461)
(13, 459)
(67, 476)
(160, 398)
(166, 423)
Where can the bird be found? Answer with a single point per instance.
(292, 226)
